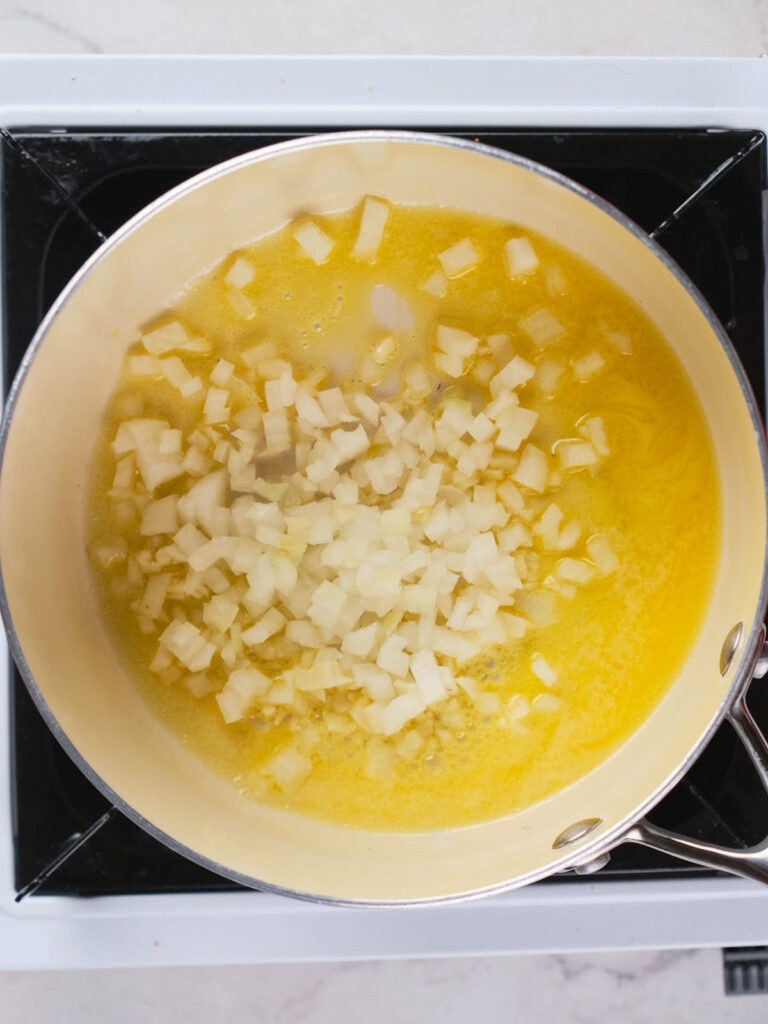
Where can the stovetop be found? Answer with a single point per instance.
(698, 191)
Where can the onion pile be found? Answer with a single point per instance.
(310, 554)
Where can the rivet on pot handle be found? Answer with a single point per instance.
(750, 863)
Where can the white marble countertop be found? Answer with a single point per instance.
(680, 986)
(736, 28)
(684, 987)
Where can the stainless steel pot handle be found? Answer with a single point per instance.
(750, 863)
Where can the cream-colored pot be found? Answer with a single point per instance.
(52, 421)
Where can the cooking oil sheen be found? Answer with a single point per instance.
(616, 646)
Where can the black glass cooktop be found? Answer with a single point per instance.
(699, 191)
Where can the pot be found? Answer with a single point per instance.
(55, 627)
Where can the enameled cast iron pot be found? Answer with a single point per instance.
(49, 606)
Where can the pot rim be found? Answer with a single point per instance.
(751, 644)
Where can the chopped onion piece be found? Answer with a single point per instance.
(425, 671)
(436, 284)
(350, 443)
(165, 338)
(517, 707)
(143, 366)
(392, 658)
(154, 595)
(520, 256)
(481, 428)
(602, 554)
(216, 409)
(270, 623)
(221, 372)
(555, 280)
(111, 554)
(315, 243)
(536, 605)
(514, 427)
(191, 387)
(547, 376)
(543, 670)
(288, 768)
(587, 366)
(459, 258)
(302, 632)
(593, 429)
(619, 340)
(454, 341)
(393, 313)
(476, 457)
(360, 642)
(201, 500)
(511, 496)
(220, 612)
(532, 469)
(186, 643)
(576, 454)
(334, 406)
(375, 681)
(489, 703)
(451, 365)
(516, 373)
(400, 711)
(240, 273)
(548, 526)
(277, 431)
(574, 571)
(373, 220)
(160, 516)
(240, 304)
(513, 537)
(170, 442)
(546, 702)
(418, 385)
(542, 327)
(569, 536)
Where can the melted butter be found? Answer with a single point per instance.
(616, 646)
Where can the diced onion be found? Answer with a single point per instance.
(241, 305)
(425, 671)
(364, 540)
(516, 373)
(619, 340)
(160, 516)
(514, 427)
(459, 258)
(165, 339)
(576, 454)
(543, 670)
(547, 376)
(288, 768)
(532, 469)
(240, 273)
(547, 702)
(216, 408)
(314, 241)
(602, 554)
(436, 284)
(542, 327)
(373, 221)
(270, 623)
(521, 257)
(574, 571)
(587, 366)
(391, 310)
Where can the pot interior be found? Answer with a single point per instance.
(51, 601)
